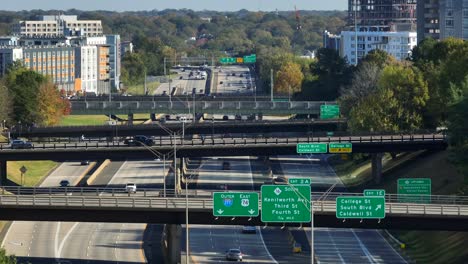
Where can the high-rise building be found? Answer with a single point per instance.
(61, 25)
(453, 19)
(113, 41)
(428, 19)
(8, 55)
(398, 44)
(57, 62)
(381, 12)
(87, 69)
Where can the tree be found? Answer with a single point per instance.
(396, 105)
(5, 104)
(23, 86)
(133, 69)
(289, 78)
(363, 84)
(5, 259)
(51, 106)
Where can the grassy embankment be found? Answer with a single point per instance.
(421, 246)
(93, 120)
(139, 89)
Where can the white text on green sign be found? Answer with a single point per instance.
(235, 204)
(286, 203)
(340, 147)
(299, 181)
(311, 148)
(360, 207)
(329, 111)
(374, 192)
(416, 190)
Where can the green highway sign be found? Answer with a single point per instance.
(329, 111)
(227, 60)
(340, 147)
(311, 148)
(235, 204)
(250, 59)
(374, 192)
(360, 207)
(414, 190)
(299, 181)
(286, 203)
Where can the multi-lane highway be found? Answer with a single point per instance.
(43, 239)
(208, 244)
(235, 79)
(337, 245)
(183, 86)
(43, 242)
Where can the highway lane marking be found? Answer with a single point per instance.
(59, 252)
(393, 249)
(364, 248)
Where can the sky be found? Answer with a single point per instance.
(135, 5)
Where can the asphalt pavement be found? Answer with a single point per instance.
(229, 80)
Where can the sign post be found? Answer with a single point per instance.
(311, 148)
(23, 170)
(414, 190)
(329, 111)
(299, 181)
(340, 147)
(286, 203)
(360, 207)
(233, 204)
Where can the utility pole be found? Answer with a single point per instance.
(355, 31)
(272, 84)
(146, 89)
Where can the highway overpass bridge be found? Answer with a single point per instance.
(213, 147)
(444, 213)
(206, 128)
(193, 106)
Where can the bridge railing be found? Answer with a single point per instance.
(250, 141)
(134, 203)
(158, 192)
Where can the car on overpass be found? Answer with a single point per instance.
(139, 140)
(249, 229)
(21, 144)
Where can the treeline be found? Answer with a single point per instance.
(28, 98)
(169, 33)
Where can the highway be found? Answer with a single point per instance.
(43, 239)
(229, 80)
(92, 242)
(184, 86)
(209, 243)
(115, 242)
(337, 245)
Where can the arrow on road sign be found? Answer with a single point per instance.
(379, 206)
(251, 211)
(220, 211)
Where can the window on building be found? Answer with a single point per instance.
(465, 12)
(449, 22)
(449, 13)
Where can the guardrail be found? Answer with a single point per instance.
(206, 204)
(250, 141)
(158, 192)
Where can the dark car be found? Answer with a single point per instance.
(21, 144)
(84, 162)
(139, 141)
(64, 183)
(181, 77)
(226, 165)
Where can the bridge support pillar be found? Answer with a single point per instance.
(3, 172)
(377, 167)
(130, 119)
(171, 243)
(153, 117)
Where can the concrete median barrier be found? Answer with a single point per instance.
(93, 176)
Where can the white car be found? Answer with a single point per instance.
(131, 188)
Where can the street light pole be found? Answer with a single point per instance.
(186, 223)
(164, 175)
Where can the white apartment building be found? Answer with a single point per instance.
(87, 68)
(398, 44)
(61, 25)
(7, 56)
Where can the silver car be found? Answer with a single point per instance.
(234, 254)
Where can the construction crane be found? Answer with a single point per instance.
(298, 20)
